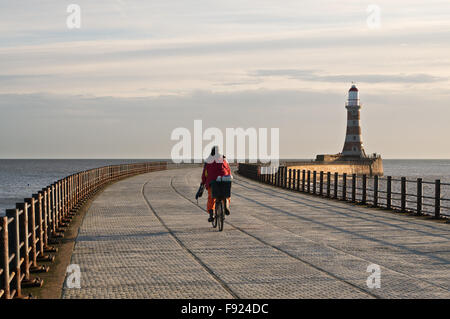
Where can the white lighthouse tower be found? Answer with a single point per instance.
(353, 146)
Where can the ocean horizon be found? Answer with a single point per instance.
(20, 178)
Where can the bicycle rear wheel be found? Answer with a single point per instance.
(220, 215)
(214, 221)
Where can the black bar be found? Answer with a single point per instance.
(314, 181)
(344, 186)
(303, 180)
(403, 194)
(298, 179)
(354, 188)
(321, 183)
(389, 193)
(364, 189)
(437, 198)
(375, 191)
(336, 181)
(328, 184)
(419, 196)
(279, 176)
(291, 179)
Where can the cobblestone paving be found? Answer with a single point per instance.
(276, 244)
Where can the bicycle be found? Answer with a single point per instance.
(221, 190)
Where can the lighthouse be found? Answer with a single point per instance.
(353, 146)
(353, 158)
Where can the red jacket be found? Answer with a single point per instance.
(213, 169)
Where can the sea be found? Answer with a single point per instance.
(20, 178)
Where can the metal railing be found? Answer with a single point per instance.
(28, 232)
(400, 194)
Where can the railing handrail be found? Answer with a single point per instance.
(425, 200)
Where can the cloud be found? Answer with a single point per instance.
(312, 75)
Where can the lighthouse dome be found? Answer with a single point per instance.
(353, 88)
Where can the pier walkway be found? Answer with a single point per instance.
(145, 237)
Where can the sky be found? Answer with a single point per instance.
(136, 70)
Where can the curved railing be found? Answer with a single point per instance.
(28, 231)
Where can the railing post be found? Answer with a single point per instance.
(403, 194)
(364, 189)
(344, 186)
(314, 182)
(5, 258)
(389, 193)
(23, 237)
(61, 203)
(285, 177)
(32, 232)
(321, 183)
(437, 198)
(70, 187)
(336, 181)
(56, 205)
(51, 207)
(298, 180)
(353, 188)
(279, 176)
(328, 184)
(309, 182)
(375, 191)
(419, 196)
(64, 198)
(303, 180)
(15, 245)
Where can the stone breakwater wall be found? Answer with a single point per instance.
(369, 167)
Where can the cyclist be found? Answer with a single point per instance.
(216, 165)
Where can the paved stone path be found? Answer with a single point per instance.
(144, 237)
